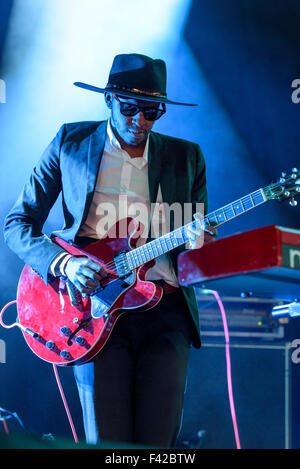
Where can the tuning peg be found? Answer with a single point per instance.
(294, 170)
(287, 193)
(283, 175)
(293, 202)
(282, 179)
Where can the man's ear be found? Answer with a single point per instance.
(108, 100)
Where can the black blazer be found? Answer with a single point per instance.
(70, 164)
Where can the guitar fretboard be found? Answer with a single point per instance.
(235, 209)
(172, 240)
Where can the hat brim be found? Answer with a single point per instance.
(130, 94)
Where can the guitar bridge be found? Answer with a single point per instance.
(122, 266)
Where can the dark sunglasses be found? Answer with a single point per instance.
(150, 113)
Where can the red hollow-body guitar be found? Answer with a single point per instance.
(62, 327)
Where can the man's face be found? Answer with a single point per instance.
(132, 130)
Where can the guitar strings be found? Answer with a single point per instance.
(248, 198)
(252, 198)
(110, 265)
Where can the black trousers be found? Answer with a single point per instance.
(133, 390)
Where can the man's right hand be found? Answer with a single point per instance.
(84, 273)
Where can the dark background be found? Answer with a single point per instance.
(237, 60)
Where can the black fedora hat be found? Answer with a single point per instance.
(136, 76)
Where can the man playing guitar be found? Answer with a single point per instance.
(132, 390)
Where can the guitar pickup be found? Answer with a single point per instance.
(121, 263)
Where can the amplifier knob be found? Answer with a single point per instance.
(65, 330)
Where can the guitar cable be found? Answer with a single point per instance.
(65, 403)
(16, 324)
(228, 369)
(228, 366)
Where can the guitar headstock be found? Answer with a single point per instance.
(286, 188)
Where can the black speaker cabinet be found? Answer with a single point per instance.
(261, 390)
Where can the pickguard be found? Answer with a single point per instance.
(102, 301)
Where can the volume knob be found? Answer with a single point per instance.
(50, 345)
(80, 340)
(65, 354)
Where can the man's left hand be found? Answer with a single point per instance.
(199, 236)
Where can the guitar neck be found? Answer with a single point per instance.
(233, 210)
(178, 237)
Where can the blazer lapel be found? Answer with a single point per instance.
(160, 172)
(154, 166)
(161, 169)
(95, 152)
